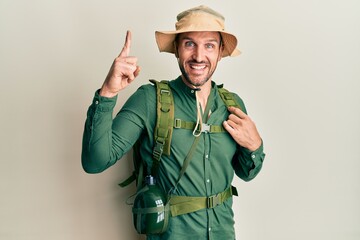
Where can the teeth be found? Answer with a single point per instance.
(198, 67)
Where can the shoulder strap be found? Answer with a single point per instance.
(164, 122)
(228, 97)
(162, 133)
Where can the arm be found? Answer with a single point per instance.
(96, 144)
(100, 148)
(105, 139)
(249, 156)
(247, 164)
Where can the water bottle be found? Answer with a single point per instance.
(150, 212)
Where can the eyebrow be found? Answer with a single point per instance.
(207, 40)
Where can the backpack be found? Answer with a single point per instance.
(152, 207)
(165, 123)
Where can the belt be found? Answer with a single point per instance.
(184, 204)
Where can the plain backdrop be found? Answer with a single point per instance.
(299, 76)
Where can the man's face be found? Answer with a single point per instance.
(198, 53)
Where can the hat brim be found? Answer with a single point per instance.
(165, 41)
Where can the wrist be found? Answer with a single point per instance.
(255, 146)
(106, 93)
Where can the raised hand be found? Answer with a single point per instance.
(242, 129)
(122, 72)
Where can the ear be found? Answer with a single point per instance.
(221, 50)
(176, 50)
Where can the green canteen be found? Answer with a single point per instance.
(150, 212)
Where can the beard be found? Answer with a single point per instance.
(190, 81)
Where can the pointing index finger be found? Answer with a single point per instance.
(126, 49)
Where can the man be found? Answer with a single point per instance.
(198, 43)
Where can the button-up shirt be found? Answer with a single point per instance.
(213, 164)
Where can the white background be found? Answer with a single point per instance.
(299, 76)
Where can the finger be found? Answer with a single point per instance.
(238, 112)
(128, 73)
(124, 61)
(137, 71)
(228, 128)
(131, 60)
(235, 119)
(232, 124)
(126, 49)
(126, 69)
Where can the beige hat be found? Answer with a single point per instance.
(198, 19)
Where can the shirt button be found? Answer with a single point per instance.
(209, 229)
(207, 180)
(206, 156)
(253, 156)
(192, 91)
(96, 102)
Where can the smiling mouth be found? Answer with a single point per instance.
(197, 67)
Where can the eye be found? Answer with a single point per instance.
(210, 46)
(189, 44)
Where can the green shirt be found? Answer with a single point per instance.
(212, 167)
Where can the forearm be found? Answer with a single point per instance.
(97, 137)
(105, 139)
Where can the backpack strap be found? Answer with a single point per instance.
(228, 97)
(178, 123)
(164, 122)
(162, 133)
(187, 204)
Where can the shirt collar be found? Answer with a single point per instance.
(179, 84)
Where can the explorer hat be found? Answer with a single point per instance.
(198, 19)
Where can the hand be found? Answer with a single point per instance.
(122, 72)
(242, 129)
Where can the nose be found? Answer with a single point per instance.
(199, 54)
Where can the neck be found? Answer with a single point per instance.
(203, 95)
(203, 92)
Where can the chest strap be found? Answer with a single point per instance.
(183, 204)
(178, 123)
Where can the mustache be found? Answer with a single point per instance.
(197, 62)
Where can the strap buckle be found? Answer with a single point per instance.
(164, 91)
(177, 123)
(205, 127)
(213, 201)
(158, 150)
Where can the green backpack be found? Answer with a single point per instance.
(152, 207)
